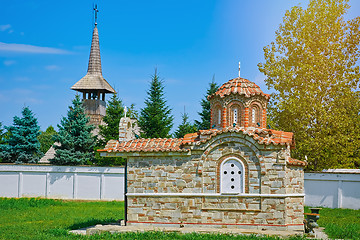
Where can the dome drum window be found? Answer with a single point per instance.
(255, 113)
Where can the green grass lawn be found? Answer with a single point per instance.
(340, 223)
(34, 218)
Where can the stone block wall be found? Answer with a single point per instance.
(185, 189)
(163, 175)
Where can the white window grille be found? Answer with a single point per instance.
(219, 117)
(253, 114)
(235, 115)
(232, 176)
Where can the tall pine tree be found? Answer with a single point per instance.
(22, 145)
(155, 119)
(205, 114)
(114, 112)
(185, 127)
(110, 131)
(75, 137)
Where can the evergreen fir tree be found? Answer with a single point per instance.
(185, 127)
(114, 112)
(1, 136)
(1, 133)
(132, 112)
(46, 139)
(110, 131)
(205, 114)
(22, 145)
(75, 137)
(155, 119)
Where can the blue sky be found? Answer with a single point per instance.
(45, 46)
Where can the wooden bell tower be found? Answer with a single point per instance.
(93, 85)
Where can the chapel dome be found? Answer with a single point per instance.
(239, 86)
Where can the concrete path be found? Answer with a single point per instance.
(116, 228)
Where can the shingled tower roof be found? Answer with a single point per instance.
(239, 86)
(94, 80)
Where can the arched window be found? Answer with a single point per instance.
(255, 113)
(216, 116)
(219, 117)
(232, 176)
(234, 115)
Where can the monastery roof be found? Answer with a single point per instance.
(145, 145)
(94, 80)
(239, 86)
(262, 136)
(295, 162)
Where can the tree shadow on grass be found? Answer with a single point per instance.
(92, 222)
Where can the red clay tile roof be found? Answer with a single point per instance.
(262, 136)
(295, 162)
(239, 86)
(145, 145)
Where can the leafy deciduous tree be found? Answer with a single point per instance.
(22, 145)
(312, 66)
(75, 137)
(155, 118)
(46, 139)
(205, 114)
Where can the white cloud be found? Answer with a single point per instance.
(9, 62)
(24, 48)
(5, 27)
(52, 67)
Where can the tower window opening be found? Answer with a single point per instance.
(253, 115)
(235, 115)
(219, 116)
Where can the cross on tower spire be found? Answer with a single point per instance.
(95, 12)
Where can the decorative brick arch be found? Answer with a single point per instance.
(216, 115)
(240, 159)
(210, 145)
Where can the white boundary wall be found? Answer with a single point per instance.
(63, 182)
(332, 190)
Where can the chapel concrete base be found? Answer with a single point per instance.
(98, 229)
(262, 227)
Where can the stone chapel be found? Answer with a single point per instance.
(236, 174)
